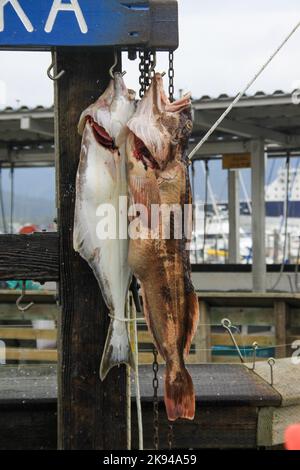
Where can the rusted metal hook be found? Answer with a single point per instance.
(20, 299)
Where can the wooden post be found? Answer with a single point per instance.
(234, 216)
(91, 414)
(202, 339)
(258, 216)
(281, 313)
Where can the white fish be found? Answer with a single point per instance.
(101, 179)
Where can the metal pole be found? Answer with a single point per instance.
(234, 216)
(258, 216)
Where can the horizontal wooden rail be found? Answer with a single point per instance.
(29, 257)
(27, 334)
(26, 354)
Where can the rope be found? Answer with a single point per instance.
(240, 95)
(137, 383)
(128, 386)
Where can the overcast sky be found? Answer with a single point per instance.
(222, 44)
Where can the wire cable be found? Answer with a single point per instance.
(243, 92)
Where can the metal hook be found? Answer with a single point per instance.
(20, 299)
(228, 325)
(254, 347)
(111, 70)
(272, 363)
(54, 77)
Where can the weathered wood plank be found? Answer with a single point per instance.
(280, 313)
(32, 257)
(273, 422)
(27, 333)
(243, 315)
(9, 311)
(202, 338)
(242, 340)
(26, 427)
(87, 408)
(214, 427)
(228, 398)
(26, 354)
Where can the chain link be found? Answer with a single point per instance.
(142, 73)
(147, 69)
(170, 436)
(155, 401)
(171, 74)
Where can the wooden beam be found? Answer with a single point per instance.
(281, 313)
(26, 354)
(91, 414)
(27, 333)
(202, 340)
(29, 257)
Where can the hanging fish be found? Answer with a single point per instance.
(101, 181)
(158, 174)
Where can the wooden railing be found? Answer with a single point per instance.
(19, 338)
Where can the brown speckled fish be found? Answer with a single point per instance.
(158, 174)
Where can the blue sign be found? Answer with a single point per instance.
(42, 24)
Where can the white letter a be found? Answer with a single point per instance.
(20, 12)
(73, 6)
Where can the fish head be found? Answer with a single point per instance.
(122, 109)
(160, 126)
(108, 116)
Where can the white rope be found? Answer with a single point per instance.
(137, 383)
(128, 386)
(239, 96)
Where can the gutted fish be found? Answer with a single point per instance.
(101, 185)
(158, 177)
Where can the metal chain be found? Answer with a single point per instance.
(142, 73)
(147, 69)
(171, 74)
(170, 436)
(155, 400)
(152, 59)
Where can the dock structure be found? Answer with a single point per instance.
(238, 406)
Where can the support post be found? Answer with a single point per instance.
(202, 338)
(234, 216)
(258, 216)
(91, 414)
(281, 325)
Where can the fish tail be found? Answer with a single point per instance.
(179, 394)
(117, 349)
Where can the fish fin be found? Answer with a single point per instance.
(117, 349)
(192, 319)
(179, 395)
